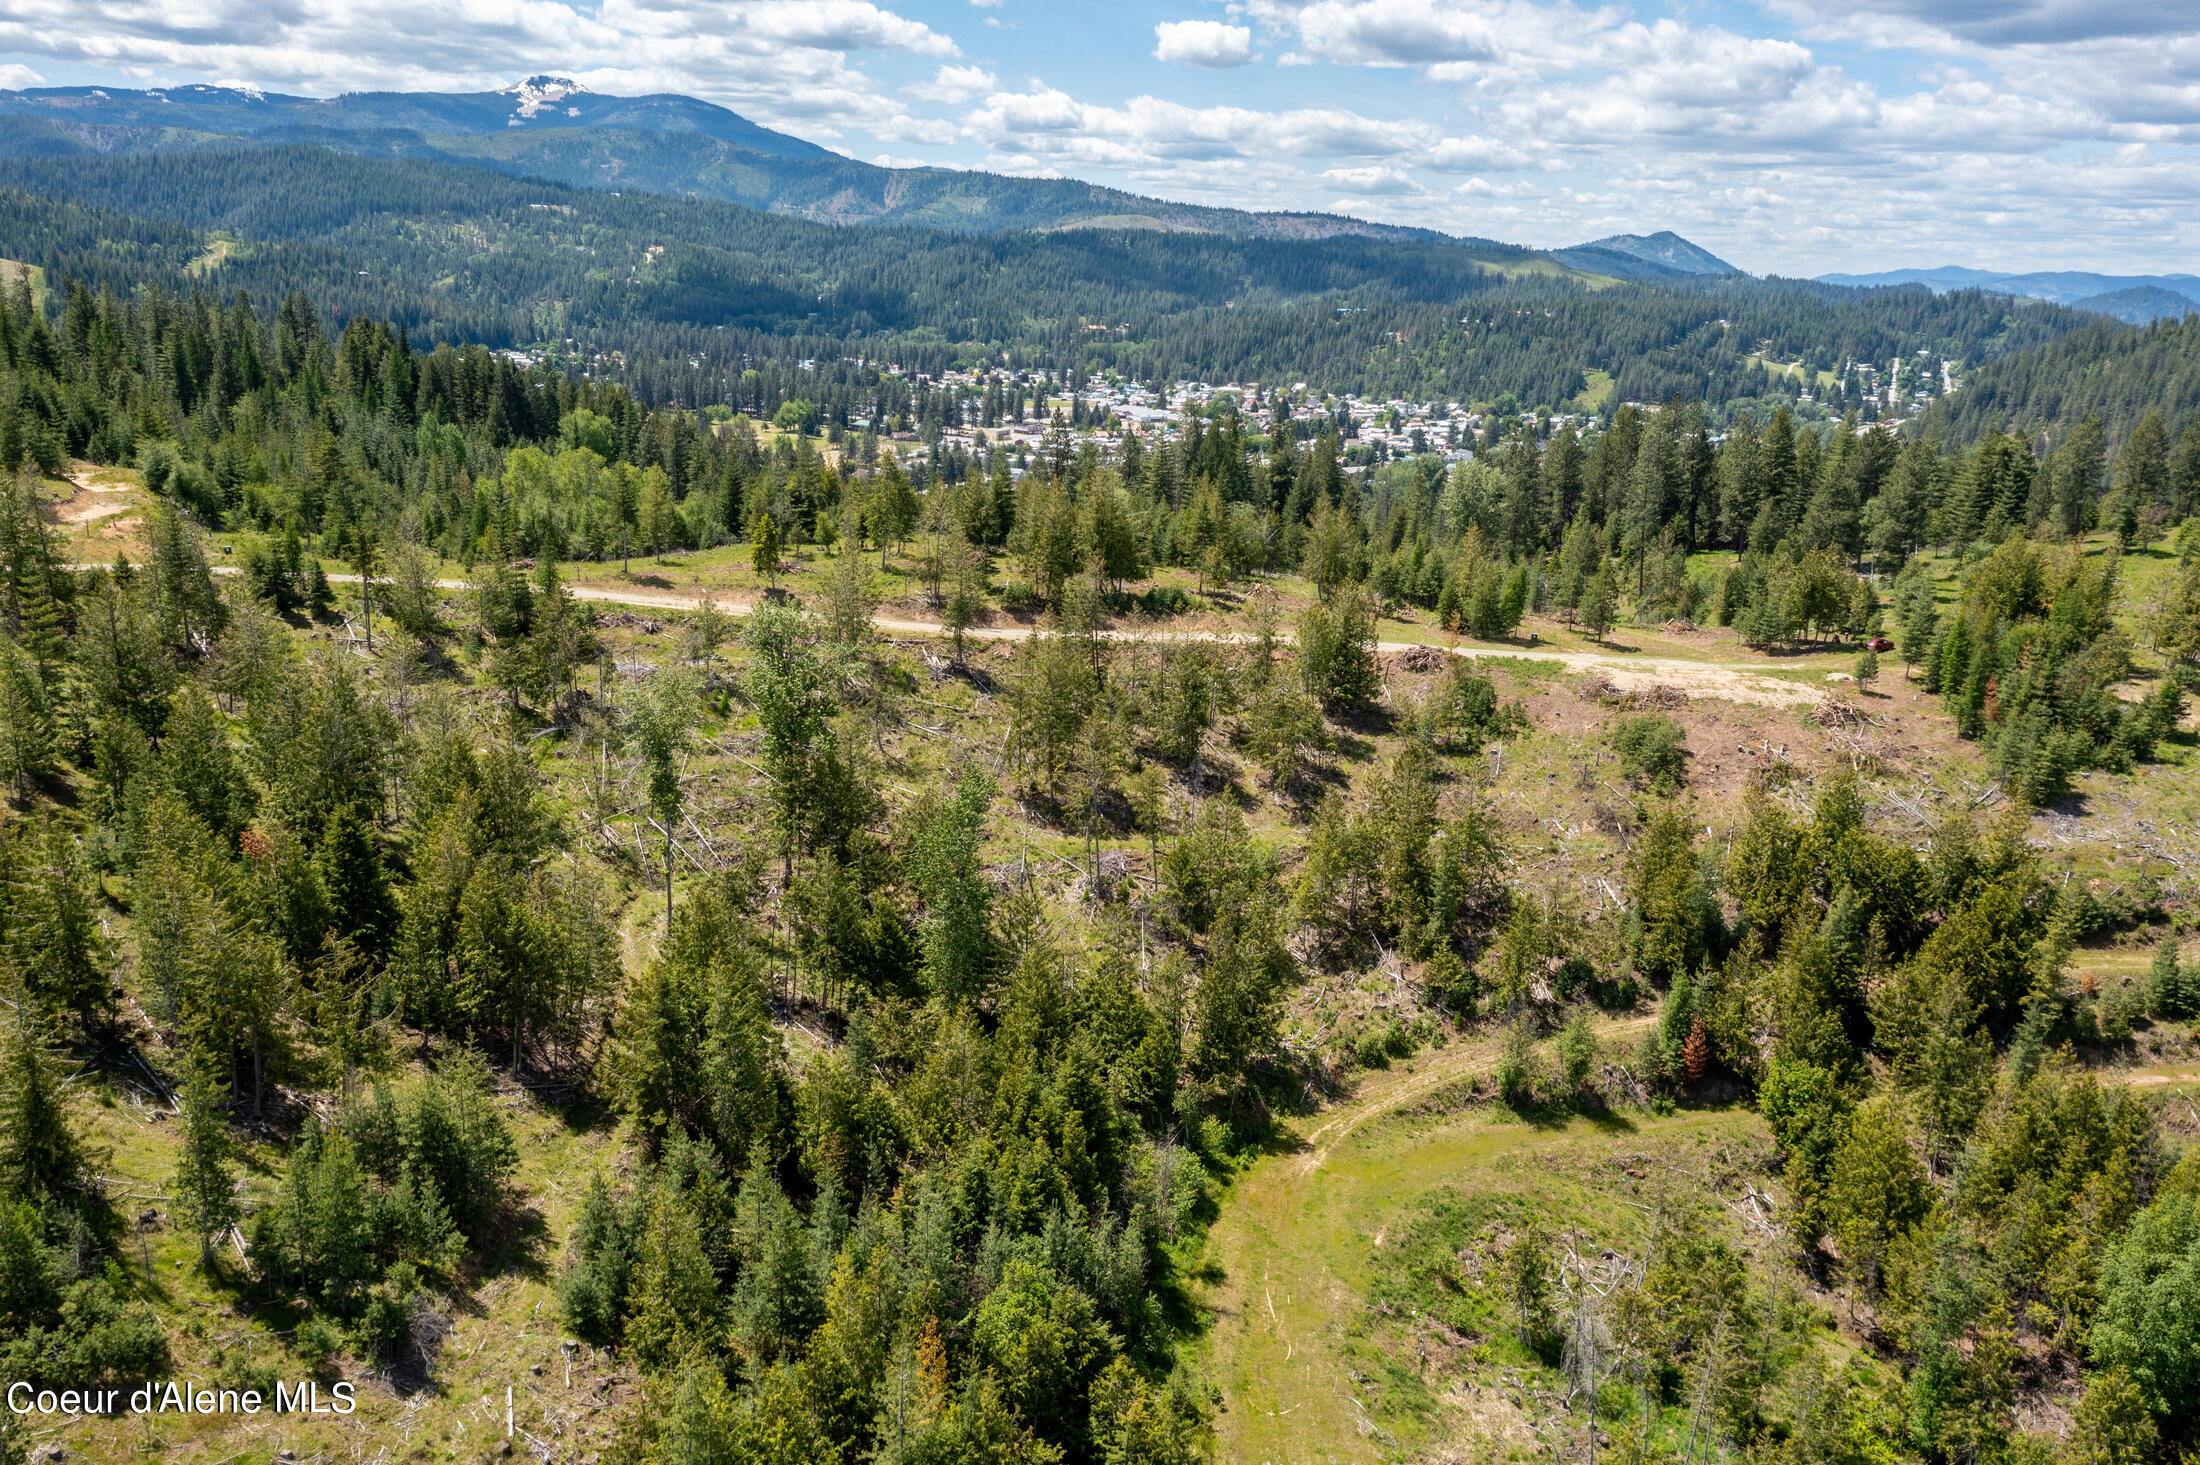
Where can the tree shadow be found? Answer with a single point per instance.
(2073, 805)
(514, 1245)
(1351, 747)
(1371, 721)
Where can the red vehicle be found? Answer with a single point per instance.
(1879, 643)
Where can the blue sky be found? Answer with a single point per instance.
(1798, 136)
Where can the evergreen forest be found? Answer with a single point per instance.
(663, 911)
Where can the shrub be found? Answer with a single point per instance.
(1577, 1050)
(1376, 1047)
(385, 1322)
(2148, 1323)
(1164, 600)
(1649, 749)
(1516, 1068)
(317, 1341)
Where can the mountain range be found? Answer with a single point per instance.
(2135, 298)
(553, 129)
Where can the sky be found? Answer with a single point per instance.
(1789, 136)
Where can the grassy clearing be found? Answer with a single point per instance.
(219, 251)
(12, 270)
(1320, 1345)
(1821, 379)
(1596, 392)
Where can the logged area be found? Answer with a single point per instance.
(541, 919)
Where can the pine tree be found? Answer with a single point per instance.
(318, 598)
(1696, 1053)
(1876, 1191)
(944, 865)
(660, 720)
(40, 1160)
(350, 867)
(2170, 987)
(1600, 602)
(31, 583)
(26, 722)
(64, 953)
(185, 606)
(199, 764)
(1525, 1267)
(204, 1184)
(675, 1308)
(764, 550)
(366, 563)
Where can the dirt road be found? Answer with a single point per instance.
(1731, 681)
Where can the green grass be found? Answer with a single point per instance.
(1595, 393)
(1311, 1266)
(504, 1323)
(1822, 379)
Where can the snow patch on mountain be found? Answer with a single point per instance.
(538, 92)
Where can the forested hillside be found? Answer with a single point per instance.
(2111, 375)
(754, 1038)
(462, 254)
(546, 128)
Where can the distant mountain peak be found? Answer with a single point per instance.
(1660, 256)
(543, 90)
(1664, 248)
(542, 84)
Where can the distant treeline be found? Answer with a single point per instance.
(690, 292)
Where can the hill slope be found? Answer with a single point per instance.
(540, 103)
(2107, 371)
(2064, 287)
(2140, 304)
(454, 252)
(547, 127)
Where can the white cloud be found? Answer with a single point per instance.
(842, 25)
(1377, 179)
(1401, 32)
(1476, 154)
(954, 84)
(14, 78)
(2023, 22)
(1202, 43)
(1047, 121)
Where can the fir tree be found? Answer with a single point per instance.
(204, 1183)
(26, 722)
(764, 550)
(40, 1160)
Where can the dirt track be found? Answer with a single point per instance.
(1729, 681)
(1289, 1249)
(1732, 681)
